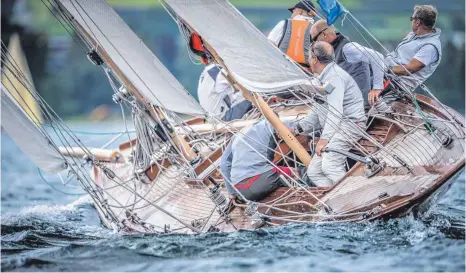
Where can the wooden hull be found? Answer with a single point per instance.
(174, 203)
(423, 203)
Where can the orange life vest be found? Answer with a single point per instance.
(296, 40)
(197, 47)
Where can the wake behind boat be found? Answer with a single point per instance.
(168, 180)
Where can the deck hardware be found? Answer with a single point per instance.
(384, 195)
(319, 99)
(213, 229)
(87, 158)
(373, 164)
(160, 132)
(445, 139)
(212, 180)
(328, 210)
(109, 173)
(403, 163)
(198, 223)
(219, 200)
(141, 175)
(212, 146)
(94, 57)
(195, 160)
(372, 212)
(422, 189)
(251, 208)
(120, 95)
(381, 196)
(373, 169)
(257, 220)
(133, 217)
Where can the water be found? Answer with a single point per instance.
(45, 230)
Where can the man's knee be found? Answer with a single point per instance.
(315, 168)
(332, 168)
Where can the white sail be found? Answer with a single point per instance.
(253, 61)
(25, 133)
(132, 56)
(17, 60)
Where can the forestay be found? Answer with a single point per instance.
(252, 60)
(27, 135)
(131, 56)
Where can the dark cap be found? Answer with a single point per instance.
(306, 5)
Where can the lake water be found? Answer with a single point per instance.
(43, 229)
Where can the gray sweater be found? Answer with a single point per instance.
(246, 155)
(345, 99)
(249, 153)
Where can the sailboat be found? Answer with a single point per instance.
(167, 179)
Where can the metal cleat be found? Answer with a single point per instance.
(251, 209)
(213, 229)
(198, 223)
(257, 220)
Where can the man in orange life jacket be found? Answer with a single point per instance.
(292, 36)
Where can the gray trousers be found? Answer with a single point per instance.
(260, 186)
(237, 111)
(326, 170)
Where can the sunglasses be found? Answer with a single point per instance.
(411, 18)
(314, 39)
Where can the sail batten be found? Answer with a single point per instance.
(141, 67)
(29, 138)
(252, 60)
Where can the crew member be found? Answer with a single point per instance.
(246, 163)
(292, 35)
(418, 55)
(217, 96)
(365, 65)
(344, 100)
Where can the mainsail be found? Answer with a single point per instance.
(131, 56)
(253, 61)
(27, 135)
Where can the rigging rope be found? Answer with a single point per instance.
(93, 133)
(53, 187)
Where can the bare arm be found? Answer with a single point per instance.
(276, 33)
(402, 70)
(413, 66)
(427, 55)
